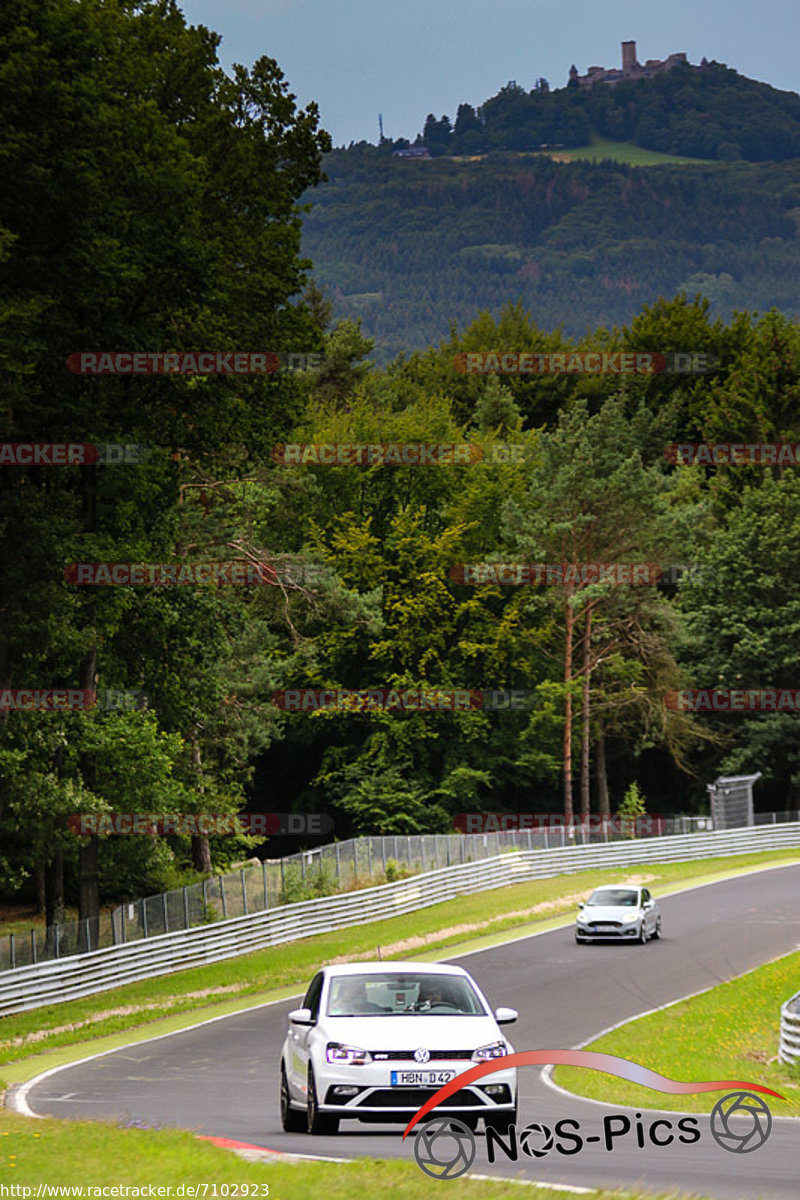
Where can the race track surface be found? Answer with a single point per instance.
(222, 1078)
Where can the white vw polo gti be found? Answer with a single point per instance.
(373, 1041)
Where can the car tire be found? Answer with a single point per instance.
(642, 938)
(500, 1121)
(293, 1120)
(657, 930)
(317, 1122)
(579, 941)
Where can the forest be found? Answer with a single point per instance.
(411, 247)
(358, 564)
(709, 112)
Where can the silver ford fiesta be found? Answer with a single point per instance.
(618, 912)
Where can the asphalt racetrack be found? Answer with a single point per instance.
(222, 1078)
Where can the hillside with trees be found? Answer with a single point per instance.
(709, 112)
(410, 246)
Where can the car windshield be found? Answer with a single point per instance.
(407, 994)
(614, 898)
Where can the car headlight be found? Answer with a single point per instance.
(493, 1050)
(629, 918)
(338, 1052)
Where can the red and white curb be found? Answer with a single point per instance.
(253, 1153)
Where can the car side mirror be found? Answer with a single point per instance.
(647, 904)
(581, 904)
(301, 1016)
(505, 1016)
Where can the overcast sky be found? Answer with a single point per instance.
(404, 59)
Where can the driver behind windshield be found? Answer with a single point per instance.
(431, 994)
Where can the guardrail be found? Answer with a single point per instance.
(99, 970)
(320, 871)
(789, 1048)
(351, 865)
(307, 875)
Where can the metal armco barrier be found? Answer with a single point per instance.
(789, 1049)
(83, 974)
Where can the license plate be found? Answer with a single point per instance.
(421, 1078)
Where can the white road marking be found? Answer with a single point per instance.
(554, 1187)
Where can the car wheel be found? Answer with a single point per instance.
(579, 940)
(500, 1121)
(657, 930)
(642, 938)
(292, 1120)
(317, 1122)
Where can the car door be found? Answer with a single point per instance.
(649, 911)
(298, 1040)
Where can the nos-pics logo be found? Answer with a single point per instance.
(445, 1147)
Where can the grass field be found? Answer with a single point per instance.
(20, 919)
(467, 922)
(600, 149)
(603, 149)
(730, 1032)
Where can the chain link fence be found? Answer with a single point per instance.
(323, 871)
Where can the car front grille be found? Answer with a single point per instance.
(408, 1055)
(416, 1097)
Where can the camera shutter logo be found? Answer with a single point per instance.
(444, 1148)
(422, 1055)
(536, 1140)
(740, 1122)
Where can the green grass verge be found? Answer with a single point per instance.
(22, 925)
(468, 922)
(91, 1154)
(730, 1032)
(603, 149)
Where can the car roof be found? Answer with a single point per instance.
(395, 966)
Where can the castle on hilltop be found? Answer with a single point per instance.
(630, 70)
